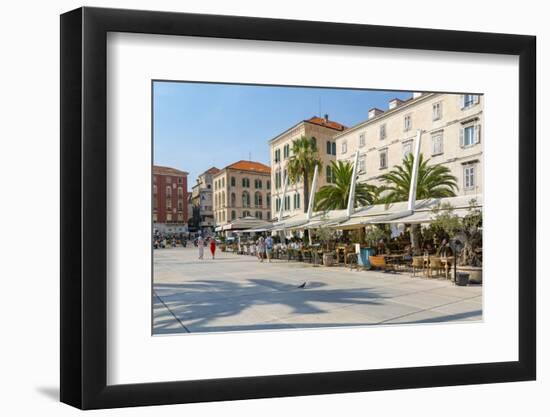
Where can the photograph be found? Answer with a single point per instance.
(297, 207)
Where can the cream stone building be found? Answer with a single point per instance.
(452, 126)
(202, 198)
(323, 131)
(242, 189)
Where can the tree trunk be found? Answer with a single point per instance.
(415, 239)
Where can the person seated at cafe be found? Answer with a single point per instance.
(445, 249)
(381, 247)
(428, 249)
(408, 253)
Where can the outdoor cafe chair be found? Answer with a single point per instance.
(417, 263)
(436, 265)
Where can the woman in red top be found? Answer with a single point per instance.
(213, 247)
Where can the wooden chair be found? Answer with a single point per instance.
(351, 260)
(417, 263)
(436, 265)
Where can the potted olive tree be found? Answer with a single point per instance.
(324, 235)
(466, 230)
(376, 232)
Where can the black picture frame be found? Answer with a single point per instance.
(84, 207)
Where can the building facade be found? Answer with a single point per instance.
(242, 189)
(202, 199)
(452, 127)
(323, 131)
(170, 211)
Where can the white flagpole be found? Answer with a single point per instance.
(351, 197)
(414, 178)
(312, 192)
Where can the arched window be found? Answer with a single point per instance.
(268, 200)
(223, 216)
(216, 200)
(258, 199)
(314, 142)
(246, 183)
(246, 213)
(222, 202)
(246, 199)
(233, 214)
(259, 215)
(233, 200)
(268, 217)
(233, 181)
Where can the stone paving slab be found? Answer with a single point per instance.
(238, 293)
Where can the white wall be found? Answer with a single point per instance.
(30, 120)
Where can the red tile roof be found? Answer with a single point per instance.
(250, 166)
(320, 121)
(212, 171)
(160, 170)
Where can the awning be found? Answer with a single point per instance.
(398, 213)
(420, 217)
(245, 223)
(257, 230)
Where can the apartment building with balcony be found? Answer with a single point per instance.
(169, 200)
(322, 131)
(242, 189)
(452, 126)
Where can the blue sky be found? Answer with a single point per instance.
(199, 125)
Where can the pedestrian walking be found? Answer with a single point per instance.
(213, 247)
(200, 245)
(260, 248)
(268, 248)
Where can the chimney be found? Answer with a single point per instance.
(394, 103)
(417, 94)
(326, 117)
(374, 112)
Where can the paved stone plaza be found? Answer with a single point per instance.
(237, 293)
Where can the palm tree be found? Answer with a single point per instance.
(335, 196)
(301, 164)
(434, 181)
